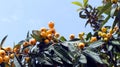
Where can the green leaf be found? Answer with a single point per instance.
(77, 3)
(62, 38)
(63, 54)
(106, 11)
(105, 21)
(27, 34)
(85, 2)
(89, 35)
(104, 8)
(93, 55)
(3, 40)
(110, 48)
(83, 59)
(17, 62)
(115, 42)
(96, 44)
(113, 10)
(114, 23)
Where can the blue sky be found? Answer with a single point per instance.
(19, 16)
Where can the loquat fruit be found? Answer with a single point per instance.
(72, 36)
(32, 41)
(51, 24)
(46, 41)
(2, 53)
(81, 45)
(25, 44)
(6, 59)
(1, 59)
(57, 35)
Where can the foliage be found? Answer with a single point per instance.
(45, 47)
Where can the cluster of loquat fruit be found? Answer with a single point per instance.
(46, 35)
(107, 34)
(7, 56)
(80, 45)
(23, 50)
(49, 35)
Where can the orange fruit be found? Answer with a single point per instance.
(12, 56)
(43, 29)
(103, 34)
(32, 41)
(116, 28)
(72, 36)
(25, 44)
(2, 53)
(46, 41)
(99, 33)
(27, 59)
(15, 50)
(109, 35)
(114, 1)
(111, 31)
(49, 36)
(81, 34)
(43, 34)
(57, 35)
(81, 45)
(48, 32)
(26, 50)
(103, 29)
(6, 59)
(105, 39)
(52, 30)
(8, 49)
(93, 39)
(1, 59)
(51, 24)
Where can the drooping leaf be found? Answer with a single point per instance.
(105, 21)
(96, 44)
(27, 34)
(63, 54)
(115, 42)
(3, 40)
(115, 22)
(93, 55)
(17, 62)
(82, 59)
(114, 6)
(85, 2)
(77, 3)
(105, 8)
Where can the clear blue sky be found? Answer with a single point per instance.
(19, 16)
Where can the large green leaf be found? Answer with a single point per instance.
(77, 3)
(96, 44)
(105, 8)
(115, 42)
(82, 59)
(36, 34)
(85, 2)
(93, 55)
(63, 54)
